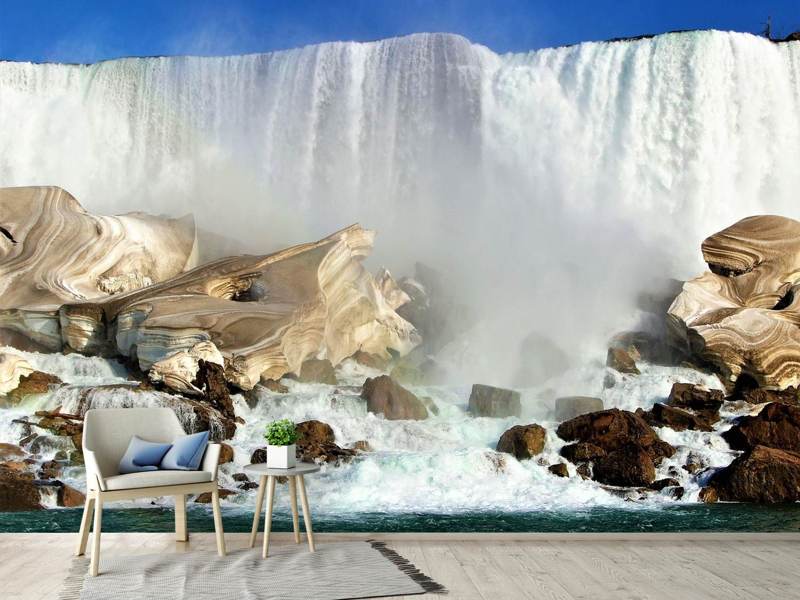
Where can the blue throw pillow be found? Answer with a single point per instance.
(186, 452)
(142, 455)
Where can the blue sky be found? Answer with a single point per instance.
(91, 30)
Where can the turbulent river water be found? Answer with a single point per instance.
(551, 186)
(438, 474)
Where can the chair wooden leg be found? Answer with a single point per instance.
(293, 501)
(98, 526)
(218, 522)
(181, 529)
(83, 536)
(262, 487)
(268, 515)
(306, 512)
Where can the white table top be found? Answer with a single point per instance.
(302, 468)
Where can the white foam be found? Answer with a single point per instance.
(76, 368)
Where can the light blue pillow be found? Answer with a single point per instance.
(142, 456)
(186, 452)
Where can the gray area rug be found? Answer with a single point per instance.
(334, 572)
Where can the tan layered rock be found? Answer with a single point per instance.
(265, 314)
(12, 368)
(178, 371)
(743, 315)
(53, 251)
(390, 290)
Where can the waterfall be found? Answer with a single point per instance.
(552, 185)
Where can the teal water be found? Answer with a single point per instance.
(696, 517)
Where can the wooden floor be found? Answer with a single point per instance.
(493, 566)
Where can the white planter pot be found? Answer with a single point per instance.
(281, 457)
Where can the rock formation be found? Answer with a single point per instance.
(570, 407)
(18, 490)
(764, 475)
(53, 251)
(179, 371)
(628, 466)
(431, 307)
(540, 358)
(622, 360)
(764, 396)
(776, 426)
(31, 384)
(370, 360)
(118, 286)
(677, 419)
(12, 368)
(489, 401)
(194, 414)
(689, 396)
(387, 397)
(582, 452)
(622, 447)
(265, 314)
(315, 370)
(743, 316)
(316, 442)
(523, 441)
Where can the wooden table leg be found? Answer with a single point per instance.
(306, 512)
(262, 487)
(268, 515)
(293, 501)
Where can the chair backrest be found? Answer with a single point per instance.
(108, 431)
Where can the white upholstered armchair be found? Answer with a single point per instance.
(106, 434)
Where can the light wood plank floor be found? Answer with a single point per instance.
(492, 566)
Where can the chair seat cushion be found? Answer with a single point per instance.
(155, 478)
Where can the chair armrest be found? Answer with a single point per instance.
(94, 476)
(211, 460)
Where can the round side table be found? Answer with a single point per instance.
(267, 483)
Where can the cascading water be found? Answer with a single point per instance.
(551, 186)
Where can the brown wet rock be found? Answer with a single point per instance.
(523, 441)
(387, 397)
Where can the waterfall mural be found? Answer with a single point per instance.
(546, 200)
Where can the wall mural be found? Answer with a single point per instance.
(543, 291)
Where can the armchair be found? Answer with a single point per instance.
(106, 434)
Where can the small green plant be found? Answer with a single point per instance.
(281, 433)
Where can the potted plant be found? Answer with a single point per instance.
(281, 437)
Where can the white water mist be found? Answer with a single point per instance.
(551, 185)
